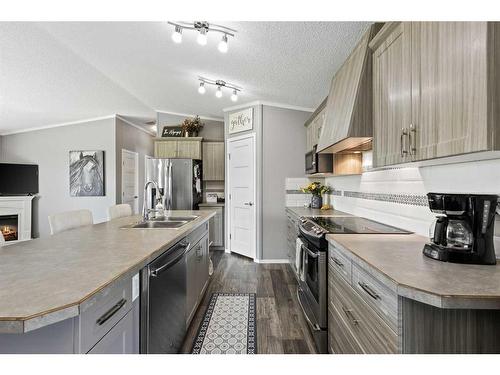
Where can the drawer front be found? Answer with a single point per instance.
(123, 338)
(381, 297)
(103, 312)
(369, 329)
(339, 262)
(340, 338)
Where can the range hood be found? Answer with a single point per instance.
(348, 114)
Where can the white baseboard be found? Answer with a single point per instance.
(272, 261)
(227, 250)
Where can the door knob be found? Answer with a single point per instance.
(248, 204)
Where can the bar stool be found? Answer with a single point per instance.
(70, 220)
(119, 210)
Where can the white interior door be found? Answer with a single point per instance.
(130, 179)
(241, 184)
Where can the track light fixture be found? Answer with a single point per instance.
(203, 27)
(219, 84)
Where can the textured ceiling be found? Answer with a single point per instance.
(66, 71)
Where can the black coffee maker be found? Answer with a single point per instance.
(463, 232)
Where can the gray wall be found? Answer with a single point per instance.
(212, 131)
(283, 145)
(132, 139)
(49, 148)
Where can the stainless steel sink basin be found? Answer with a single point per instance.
(164, 222)
(175, 218)
(157, 224)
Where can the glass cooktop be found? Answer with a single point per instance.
(349, 225)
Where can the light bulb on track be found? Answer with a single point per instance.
(177, 35)
(218, 93)
(223, 44)
(202, 88)
(234, 96)
(202, 37)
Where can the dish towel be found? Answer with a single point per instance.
(299, 260)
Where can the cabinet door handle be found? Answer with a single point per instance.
(112, 311)
(338, 262)
(404, 133)
(369, 290)
(412, 137)
(248, 203)
(349, 315)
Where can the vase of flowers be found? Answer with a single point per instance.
(192, 126)
(316, 190)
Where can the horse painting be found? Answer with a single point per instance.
(86, 169)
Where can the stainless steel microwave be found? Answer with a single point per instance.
(318, 163)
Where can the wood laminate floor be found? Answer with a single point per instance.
(281, 327)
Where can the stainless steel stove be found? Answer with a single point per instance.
(312, 291)
(353, 224)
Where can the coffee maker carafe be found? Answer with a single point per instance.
(463, 231)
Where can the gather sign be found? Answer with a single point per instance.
(241, 121)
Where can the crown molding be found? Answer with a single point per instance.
(269, 104)
(136, 126)
(57, 125)
(190, 115)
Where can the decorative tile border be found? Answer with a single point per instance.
(335, 192)
(407, 199)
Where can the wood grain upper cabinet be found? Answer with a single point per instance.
(449, 88)
(392, 96)
(166, 149)
(436, 90)
(213, 161)
(314, 126)
(189, 148)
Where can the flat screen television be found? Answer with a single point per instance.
(18, 179)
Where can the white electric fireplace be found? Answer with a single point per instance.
(15, 218)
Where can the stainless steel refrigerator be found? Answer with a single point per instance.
(179, 182)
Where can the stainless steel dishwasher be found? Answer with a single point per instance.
(163, 301)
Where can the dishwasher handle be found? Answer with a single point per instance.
(156, 272)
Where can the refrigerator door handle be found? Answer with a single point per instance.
(169, 197)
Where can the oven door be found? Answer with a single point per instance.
(315, 285)
(311, 162)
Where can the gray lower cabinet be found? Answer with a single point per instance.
(366, 315)
(197, 261)
(123, 338)
(292, 234)
(216, 225)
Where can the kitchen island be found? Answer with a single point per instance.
(47, 283)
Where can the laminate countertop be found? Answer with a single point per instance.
(307, 212)
(399, 258)
(45, 280)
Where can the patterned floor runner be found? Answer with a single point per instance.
(229, 325)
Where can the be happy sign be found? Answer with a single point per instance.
(241, 121)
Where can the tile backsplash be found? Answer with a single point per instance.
(398, 196)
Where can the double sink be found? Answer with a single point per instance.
(163, 222)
